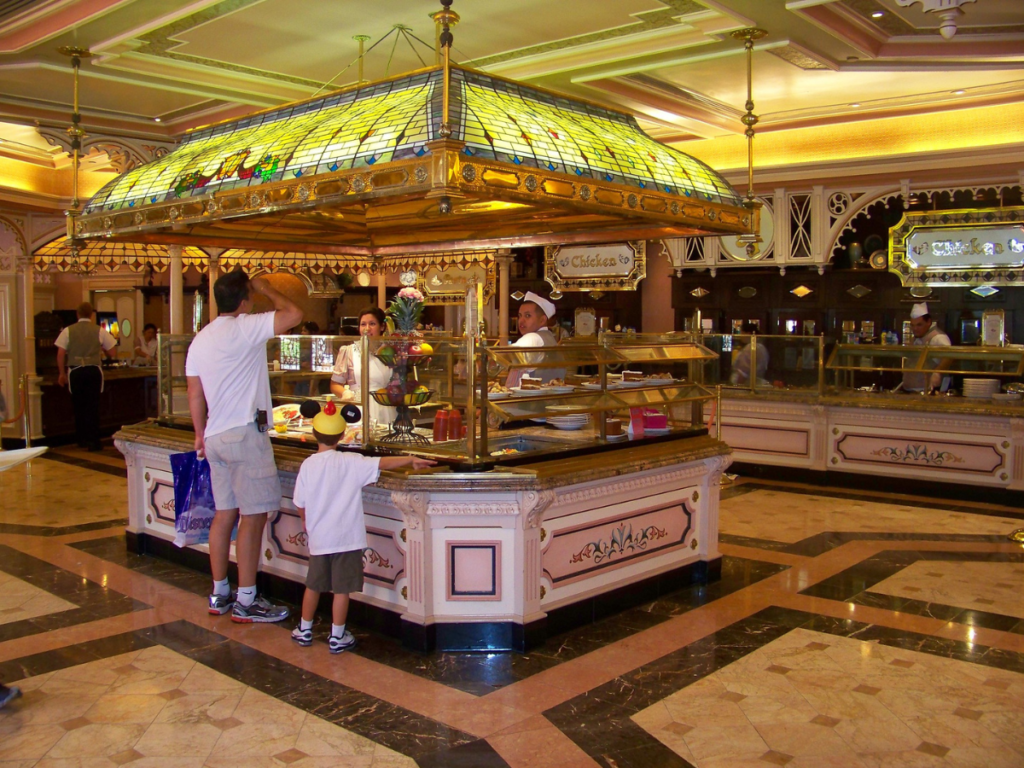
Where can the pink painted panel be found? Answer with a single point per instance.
(383, 561)
(160, 500)
(938, 455)
(473, 570)
(785, 442)
(583, 550)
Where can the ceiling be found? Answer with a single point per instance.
(163, 66)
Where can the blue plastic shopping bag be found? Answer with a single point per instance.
(194, 507)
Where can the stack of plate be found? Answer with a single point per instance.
(981, 388)
(573, 421)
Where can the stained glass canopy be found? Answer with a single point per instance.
(111, 256)
(369, 171)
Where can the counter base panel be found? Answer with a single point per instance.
(484, 636)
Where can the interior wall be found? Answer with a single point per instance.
(656, 293)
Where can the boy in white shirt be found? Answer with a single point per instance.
(328, 497)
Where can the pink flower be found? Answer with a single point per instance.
(410, 293)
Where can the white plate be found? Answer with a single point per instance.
(519, 392)
(286, 412)
(1006, 396)
(498, 395)
(617, 438)
(557, 390)
(657, 430)
(591, 386)
(566, 427)
(631, 383)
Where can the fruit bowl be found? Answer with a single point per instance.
(412, 398)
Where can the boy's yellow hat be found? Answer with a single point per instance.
(329, 421)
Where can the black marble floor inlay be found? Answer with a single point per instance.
(113, 550)
(95, 466)
(427, 741)
(61, 530)
(93, 601)
(854, 584)
(599, 721)
(481, 674)
(823, 542)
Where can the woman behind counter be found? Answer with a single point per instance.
(348, 368)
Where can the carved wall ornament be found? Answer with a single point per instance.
(413, 506)
(533, 504)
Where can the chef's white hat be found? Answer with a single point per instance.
(545, 306)
(918, 310)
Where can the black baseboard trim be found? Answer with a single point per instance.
(904, 485)
(488, 636)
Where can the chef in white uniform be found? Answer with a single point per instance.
(535, 313)
(346, 381)
(926, 333)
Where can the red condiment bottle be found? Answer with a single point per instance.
(454, 424)
(440, 426)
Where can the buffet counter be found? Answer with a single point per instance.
(129, 395)
(925, 438)
(487, 560)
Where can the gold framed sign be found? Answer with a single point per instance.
(608, 267)
(448, 285)
(959, 248)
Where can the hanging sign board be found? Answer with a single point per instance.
(966, 247)
(609, 267)
(448, 285)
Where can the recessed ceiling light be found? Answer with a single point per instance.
(958, 93)
(855, 105)
(877, 14)
(156, 119)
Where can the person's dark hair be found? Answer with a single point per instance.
(329, 440)
(311, 328)
(749, 327)
(377, 312)
(230, 291)
(147, 326)
(926, 317)
(84, 310)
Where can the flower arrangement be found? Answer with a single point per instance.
(405, 310)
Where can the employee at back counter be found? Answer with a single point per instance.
(926, 333)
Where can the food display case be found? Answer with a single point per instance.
(855, 363)
(639, 387)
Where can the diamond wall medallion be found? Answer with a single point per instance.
(699, 293)
(802, 291)
(858, 291)
(985, 291)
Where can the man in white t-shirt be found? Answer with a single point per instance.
(228, 387)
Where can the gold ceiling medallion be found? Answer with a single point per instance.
(969, 248)
(751, 239)
(607, 267)
(947, 12)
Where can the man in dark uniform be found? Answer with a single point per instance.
(80, 351)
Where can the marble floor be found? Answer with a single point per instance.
(849, 628)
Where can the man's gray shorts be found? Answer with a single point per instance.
(243, 472)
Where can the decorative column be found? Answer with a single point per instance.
(213, 273)
(504, 261)
(177, 289)
(382, 290)
(26, 281)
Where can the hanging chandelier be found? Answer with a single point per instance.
(78, 264)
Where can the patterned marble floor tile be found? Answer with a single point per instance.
(809, 698)
(48, 493)
(157, 707)
(792, 517)
(20, 600)
(991, 587)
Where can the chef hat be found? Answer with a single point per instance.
(918, 310)
(329, 421)
(545, 306)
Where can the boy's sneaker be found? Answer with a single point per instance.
(261, 611)
(341, 644)
(219, 604)
(7, 695)
(303, 637)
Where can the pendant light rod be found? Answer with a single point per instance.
(361, 39)
(748, 36)
(445, 19)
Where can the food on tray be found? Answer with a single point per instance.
(505, 452)
(497, 387)
(556, 383)
(286, 412)
(613, 427)
(659, 377)
(632, 376)
(528, 382)
(352, 435)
